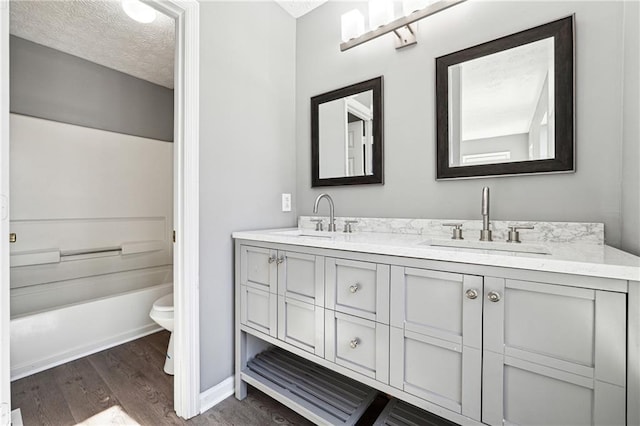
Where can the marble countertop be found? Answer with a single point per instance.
(596, 260)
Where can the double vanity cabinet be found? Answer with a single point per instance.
(473, 343)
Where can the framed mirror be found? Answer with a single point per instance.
(506, 107)
(346, 135)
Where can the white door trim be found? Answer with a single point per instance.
(186, 388)
(5, 375)
(186, 206)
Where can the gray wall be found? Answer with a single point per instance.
(247, 151)
(593, 193)
(47, 83)
(631, 132)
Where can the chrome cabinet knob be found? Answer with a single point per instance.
(354, 343)
(280, 260)
(493, 296)
(471, 294)
(272, 259)
(354, 288)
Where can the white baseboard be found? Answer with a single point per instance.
(216, 394)
(16, 418)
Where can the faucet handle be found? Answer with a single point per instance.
(318, 224)
(514, 235)
(347, 225)
(457, 230)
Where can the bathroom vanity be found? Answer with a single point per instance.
(474, 336)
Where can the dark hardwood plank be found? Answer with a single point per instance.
(40, 400)
(83, 389)
(255, 410)
(159, 341)
(144, 403)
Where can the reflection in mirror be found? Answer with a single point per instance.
(499, 106)
(346, 135)
(506, 106)
(346, 138)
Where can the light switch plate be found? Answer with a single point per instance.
(286, 202)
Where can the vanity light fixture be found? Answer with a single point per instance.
(139, 11)
(405, 27)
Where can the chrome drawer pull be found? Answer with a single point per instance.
(354, 288)
(493, 296)
(272, 259)
(280, 260)
(354, 343)
(471, 293)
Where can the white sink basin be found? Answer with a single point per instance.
(308, 233)
(490, 245)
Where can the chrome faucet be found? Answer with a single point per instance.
(485, 234)
(332, 220)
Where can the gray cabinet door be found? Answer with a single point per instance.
(436, 337)
(259, 310)
(553, 355)
(301, 324)
(258, 268)
(359, 344)
(358, 288)
(301, 277)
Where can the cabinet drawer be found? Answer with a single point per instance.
(258, 310)
(258, 268)
(358, 288)
(301, 324)
(359, 344)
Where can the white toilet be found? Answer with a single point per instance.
(162, 313)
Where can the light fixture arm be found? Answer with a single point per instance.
(402, 27)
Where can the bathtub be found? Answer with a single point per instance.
(55, 335)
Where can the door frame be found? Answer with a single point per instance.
(186, 207)
(5, 373)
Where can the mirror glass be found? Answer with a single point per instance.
(509, 105)
(346, 138)
(347, 135)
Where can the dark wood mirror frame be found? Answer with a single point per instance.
(563, 42)
(377, 177)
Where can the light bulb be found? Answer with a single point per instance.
(139, 11)
(410, 6)
(380, 13)
(352, 25)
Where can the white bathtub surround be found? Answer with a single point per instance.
(51, 338)
(86, 203)
(559, 232)
(578, 258)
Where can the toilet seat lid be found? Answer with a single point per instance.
(165, 303)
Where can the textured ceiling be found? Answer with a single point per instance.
(101, 32)
(297, 8)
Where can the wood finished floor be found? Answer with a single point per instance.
(127, 385)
